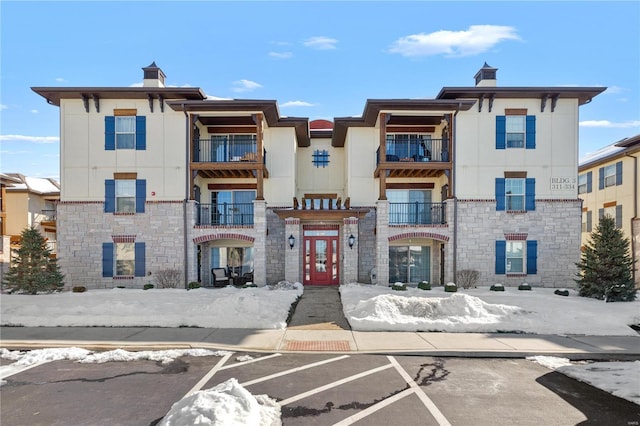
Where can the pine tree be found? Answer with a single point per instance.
(605, 265)
(32, 268)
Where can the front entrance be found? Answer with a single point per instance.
(320, 257)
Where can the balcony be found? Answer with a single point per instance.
(415, 157)
(225, 214)
(417, 213)
(48, 220)
(227, 157)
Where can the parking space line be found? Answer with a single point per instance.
(376, 407)
(333, 385)
(209, 375)
(435, 412)
(11, 369)
(293, 370)
(239, 364)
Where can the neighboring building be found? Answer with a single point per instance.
(608, 184)
(5, 249)
(27, 202)
(158, 177)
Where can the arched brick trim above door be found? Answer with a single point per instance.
(429, 235)
(223, 236)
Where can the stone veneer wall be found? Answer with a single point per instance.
(83, 227)
(555, 224)
(275, 245)
(366, 246)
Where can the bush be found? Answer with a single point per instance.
(168, 278)
(562, 292)
(524, 286)
(147, 286)
(193, 285)
(399, 287)
(79, 289)
(249, 285)
(450, 288)
(467, 278)
(424, 285)
(497, 287)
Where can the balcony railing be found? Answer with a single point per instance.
(225, 150)
(418, 150)
(417, 213)
(49, 215)
(225, 214)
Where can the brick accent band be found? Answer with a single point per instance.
(123, 238)
(222, 236)
(515, 236)
(430, 235)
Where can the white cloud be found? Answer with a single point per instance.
(477, 39)
(321, 43)
(3, 106)
(610, 125)
(297, 104)
(61, 80)
(26, 138)
(34, 111)
(136, 85)
(611, 90)
(245, 86)
(281, 55)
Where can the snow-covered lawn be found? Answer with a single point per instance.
(366, 307)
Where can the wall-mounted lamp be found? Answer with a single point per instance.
(352, 241)
(292, 241)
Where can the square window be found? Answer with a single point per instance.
(515, 127)
(514, 194)
(320, 158)
(125, 195)
(125, 259)
(515, 257)
(125, 132)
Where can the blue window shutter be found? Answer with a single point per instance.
(140, 259)
(501, 132)
(619, 216)
(109, 196)
(107, 259)
(109, 133)
(141, 133)
(619, 173)
(589, 178)
(589, 221)
(601, 178)
(531, 132)
(530, 194)
(501, 257)
(141, 194)
(500, 196)
(532, 257)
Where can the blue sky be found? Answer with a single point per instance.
(317, 59)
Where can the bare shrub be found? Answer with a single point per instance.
(167, 278)
(467, 278)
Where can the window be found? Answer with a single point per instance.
(516, 194)
(320, 158)
(417, 147)
(239, 260)
(516, 257)
(125, 132)
(123, 258)
(515, 131)
(610, 175)
(584, 183)
(515, 127)
(232, 207)
(614, 211)
(125, 195)
(413, 207)
(409, 264)
(587, 221)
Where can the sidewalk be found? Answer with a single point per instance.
(498, 345)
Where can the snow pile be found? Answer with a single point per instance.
(395, 312)
(225, 404)
(85, 356)
(617, 378)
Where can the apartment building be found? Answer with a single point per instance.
(480, 177)
(608, 185)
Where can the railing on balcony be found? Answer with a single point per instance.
(415, 150)
(225, 214)
(223, 150)
(49, 215)
(417, 213)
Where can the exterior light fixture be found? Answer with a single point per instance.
(292, 241)
(352, 241)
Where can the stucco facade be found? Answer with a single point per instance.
(480, 177)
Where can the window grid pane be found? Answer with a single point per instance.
(515, 128)
(514, 191)
(125, 132)
(125, 196)
(515, 257)
(610, 176)
(125, 258)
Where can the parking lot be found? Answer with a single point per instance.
(321, 389)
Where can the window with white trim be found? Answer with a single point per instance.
(515, 126)
(515, 257)
(582, 183)
(514, 194)
(125, 259)
(125, 132)
(610, 176)
(125, 195)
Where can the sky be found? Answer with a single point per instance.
(318, 60)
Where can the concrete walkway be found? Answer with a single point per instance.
(319, 308)
(498, 345)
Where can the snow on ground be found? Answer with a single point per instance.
(617, 378)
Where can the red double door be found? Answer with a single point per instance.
(321, 263)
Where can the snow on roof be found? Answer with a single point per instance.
(36, 185)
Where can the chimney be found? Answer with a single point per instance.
(153, 76)
(486, 77)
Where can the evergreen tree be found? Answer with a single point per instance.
(32, 268)
(605, 265)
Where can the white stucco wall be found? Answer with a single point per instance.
(361, 144)
(312, 179)
(282, 148)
